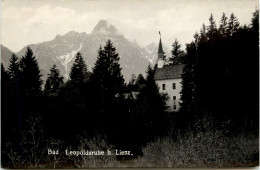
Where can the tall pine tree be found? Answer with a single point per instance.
(107, 72)
(213, 70)
(150, 107)
(255, 21)
(131, 85)
(78, 71)
(176, 52)
(109, 87)
(53, 82)
(233, 25)
(203, 33)
(140, 81)
(30, 74)
(223, 25)
(212, 28)
(5, 81)
(14, 72)
(189, 98)
(114, 68)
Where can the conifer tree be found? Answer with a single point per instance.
(109, 86)
(176, 52)
(107, 76)
(213, 68)
(14, 72)
(196, 38)
(47, 87)
(131, 85)
(107, 71)
(7, 105)
(188, 89)
(100, 67)
(255, 21)
(203, 33)
(132, 79)
(99, 79)
(233, 24)
(5, 81)
(78, 70)
(212, 28)
(140, 81)
(223, 25)
(114, 68)
(151, 105)
(53, 81)
(30, 74)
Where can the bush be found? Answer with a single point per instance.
(32, 151)
(93, 161)
(203, 146)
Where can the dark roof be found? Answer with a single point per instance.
(160, 49)
(169, 72)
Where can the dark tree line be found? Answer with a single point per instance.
(21, 92)
(221, 75)
(89, 103)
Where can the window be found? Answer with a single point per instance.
(173, 86)
(174, 98)
(174, 107)
(163, 86)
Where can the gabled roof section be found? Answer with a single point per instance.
(169, 72)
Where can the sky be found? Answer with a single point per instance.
(25, 22)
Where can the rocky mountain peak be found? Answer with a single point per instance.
(103, 27)
(62, 49)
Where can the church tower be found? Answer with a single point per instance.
(160, 62)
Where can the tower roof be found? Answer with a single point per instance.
(160, 49)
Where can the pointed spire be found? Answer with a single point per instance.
(160, 49)
(160, 59)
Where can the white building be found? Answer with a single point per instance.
(168, 78)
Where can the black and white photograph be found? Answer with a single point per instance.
(129, 84)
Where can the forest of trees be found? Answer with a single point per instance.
(220, 79)
(221, 76)
(89, 103)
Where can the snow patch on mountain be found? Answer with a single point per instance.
(67, 58)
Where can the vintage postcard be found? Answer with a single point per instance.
(129, 84)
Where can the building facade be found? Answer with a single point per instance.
(168, 79)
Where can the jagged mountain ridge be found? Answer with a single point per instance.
(62, 49)
(103, 27)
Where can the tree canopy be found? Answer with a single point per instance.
(78, 70)
(30, 74)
